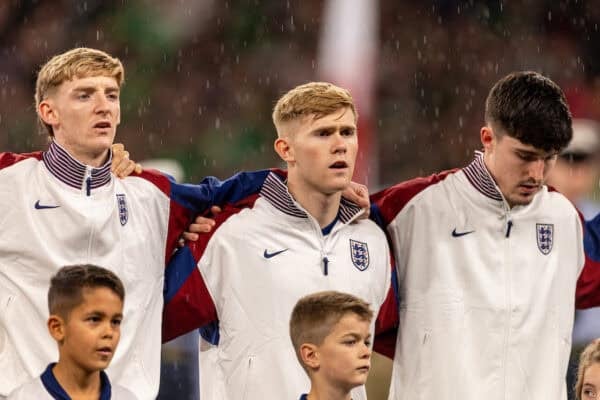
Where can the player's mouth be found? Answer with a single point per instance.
(102, 125)
(529, 188)
(339, 165)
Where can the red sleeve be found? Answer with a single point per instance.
(385, 205)
(8, 159)
(188, 303)
(386, 326)
(179, 216)
(588, 285)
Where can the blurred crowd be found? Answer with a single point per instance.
(202, 75)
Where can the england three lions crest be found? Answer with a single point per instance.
(545, 237)
(122, 204)
(359, 252)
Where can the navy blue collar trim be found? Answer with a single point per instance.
(71, 172)
(58, 393)
(329, 227)
(480, 178)
(304, 396)
(275, 191)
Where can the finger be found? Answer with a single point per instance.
(118, 147)
(192, 237)
(127, 169)
(138, 168)
(124, 168)
(201, 228)
(200, 220)
(215, 210)
(119, 158)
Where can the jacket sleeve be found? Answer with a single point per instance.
(187, 200)
(386, 325)
(8, 159)
(189, 304)
(385, 206)
(588, 284)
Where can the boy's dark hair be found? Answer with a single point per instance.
(530, 108)
(66, 287)
(315, 315)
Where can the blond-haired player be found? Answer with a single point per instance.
(67, 208)
(284, 236)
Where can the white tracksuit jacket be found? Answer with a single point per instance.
(254, 268)
(486, 292)
(50, 219)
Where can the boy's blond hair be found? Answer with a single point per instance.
(315, 315)
(589, 356)
(81, 62)
(313, 98)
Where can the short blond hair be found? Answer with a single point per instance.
(313, 98)
(589, 356)
(80, 62)
(315, 315)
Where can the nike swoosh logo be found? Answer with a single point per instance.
(269, 255)
(459, 234)
(39, 206)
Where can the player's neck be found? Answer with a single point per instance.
(322, 390)
(77, 382)
(93, 159)
(322, 207)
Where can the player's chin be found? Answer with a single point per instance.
(522, 199)
(339, 182)
(361, 378)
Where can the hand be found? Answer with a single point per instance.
(358, 194)
(121, 165)
(200, 225)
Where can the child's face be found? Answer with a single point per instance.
(92, 332)
(591, 382)
(345, 355)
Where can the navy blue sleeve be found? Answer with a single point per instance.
(212, 191)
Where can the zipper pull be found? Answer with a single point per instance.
(325, 266)
(88, 185)
(88, 181)
(509, 225)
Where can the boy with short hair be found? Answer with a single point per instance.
(86, 310)
(330, 333)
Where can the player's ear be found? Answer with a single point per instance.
(56, 327)
(310, 355)
(47, 112)
(284, 149)
(487, 137)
